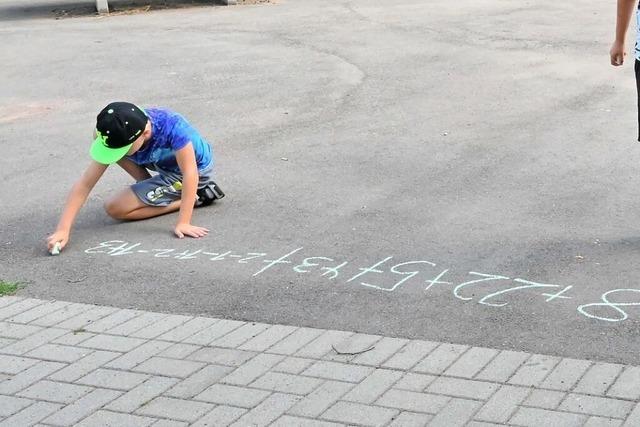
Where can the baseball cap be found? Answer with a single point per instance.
(118, 125)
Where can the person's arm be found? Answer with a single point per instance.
(136, 171)
(186, 159)
(77, 196)
(624, 13)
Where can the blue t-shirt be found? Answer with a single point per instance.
(169, 133)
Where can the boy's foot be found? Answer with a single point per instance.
(209, 193)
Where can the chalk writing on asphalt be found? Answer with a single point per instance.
(388, 275)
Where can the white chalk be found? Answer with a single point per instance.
(56, 249)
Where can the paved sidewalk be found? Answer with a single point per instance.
(76, 364)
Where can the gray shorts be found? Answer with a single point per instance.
(165, 187)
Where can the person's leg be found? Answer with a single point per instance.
(128, 207)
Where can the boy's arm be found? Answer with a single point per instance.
(77, 196)
(624, 12)
(186, 159)
(137, 172)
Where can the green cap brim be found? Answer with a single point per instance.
(107, 155)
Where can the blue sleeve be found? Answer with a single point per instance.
(181, 134)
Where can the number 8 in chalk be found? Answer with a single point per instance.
(606, 303)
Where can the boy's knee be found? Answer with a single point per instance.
(114, 209)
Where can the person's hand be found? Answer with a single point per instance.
(60, 236)
(617, 53)
(182, 230)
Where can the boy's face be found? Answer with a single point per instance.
(138, 143)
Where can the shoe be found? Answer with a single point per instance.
(209, 193)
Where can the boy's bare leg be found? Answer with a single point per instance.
(127, 206)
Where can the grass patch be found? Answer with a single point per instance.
(8, 288)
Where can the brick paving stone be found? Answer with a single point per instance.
(9, 299)
(290, 421)
(482, 424)
(11, 330)
(108, 378)
(221, 356)
(187, 329)
(502, 404)
(136, 323)
(534, 417)
(71, 414)
(295, 341)
(66, 312)
(141, 394)
(457, 413)
(293, 365)
(411, 419)
(170, 423)
(239, 336)
(253, 369)
(58, 353)
(268, 411)
(31, 414)
(322, 344)
(471, 362)
(33, 341)
(233, 396)
(15, 364)
(169, 367)
(598, 378)
(414, 382)
(626, 386)
(503, 366)
(37, 312)
(384, 349)
(54, 392)
(160, 327)
(546, 399)
(462, 388)
(320, 399)
(373, 386)
(440, 359)
(268, 338)
(338, 371)
(602, 422)
(9, 405)
(107, 418)
(213, 332)
(138, 355)
(6, 341)
(113, 343)
(83, 366)
(179, 350)
(409, 355)
(199, 381)
(73, 338)
(534, 370)
(112, 320)
(286, 383)
(566, 374)
(29, 376)
(351, 347)
(84, 319)
(18, 307)
(634, 417)
(221, 416)
(175, 409)
(601, 406)
(413, 401)
(356, 413)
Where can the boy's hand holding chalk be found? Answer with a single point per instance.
(57, 241)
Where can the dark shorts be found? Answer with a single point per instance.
(165, 187)
(637, 69)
